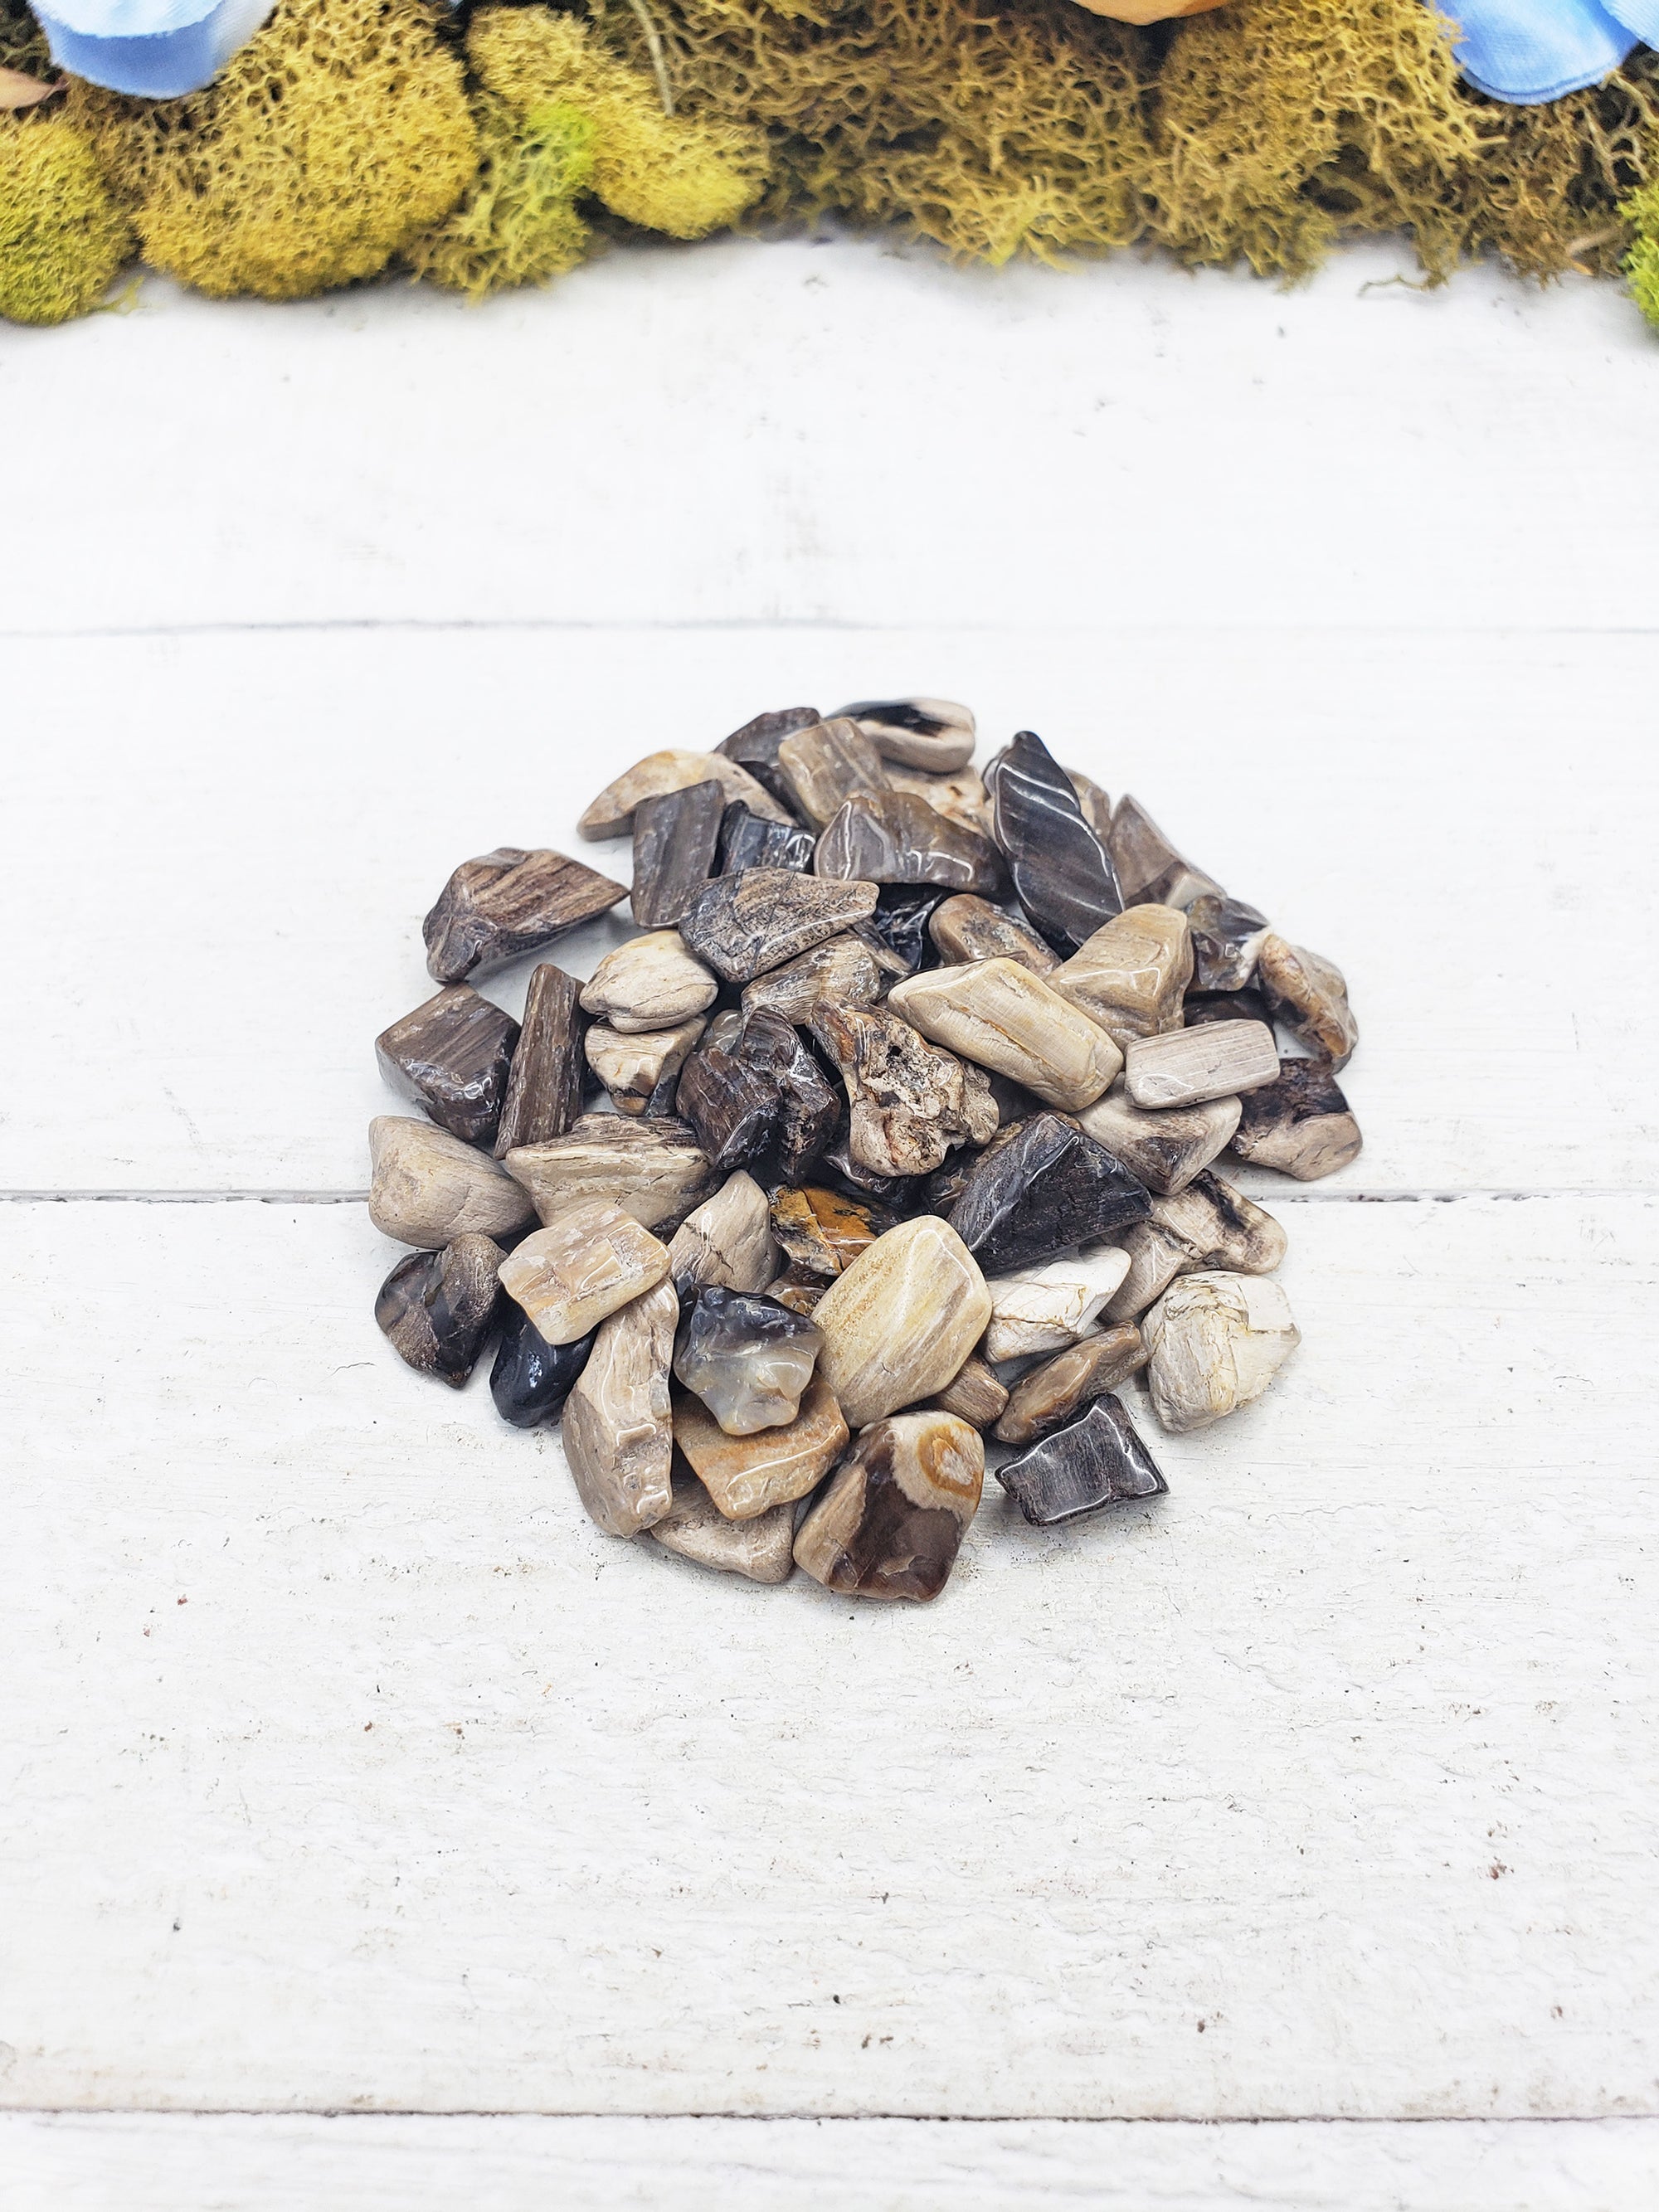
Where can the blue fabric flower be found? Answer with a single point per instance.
(1529, 50)
(158, 48)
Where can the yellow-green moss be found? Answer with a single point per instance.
(518, 224)
(22, 42)
(61, 237)
(1642, 263)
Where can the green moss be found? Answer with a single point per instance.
(1642, 263)
(62, 236)
(518, 224)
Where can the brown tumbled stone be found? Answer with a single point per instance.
(675, 835)
(1227, 938)
(823, 1231)
(750, 1474)
(510, 903)
(1047, 1395)
(754, 746)
(891, 1521)
(908, 1102)
(652, 1168)
(842, 969)
(966, 928)
(826, 765)
(611, 814)
(436, 1308)
(618, 1433)
(745, 924)
(894, 837)
(1208, 1226)
(1310, 997)
(1148, 867)
(544, 1083)
(960, 797)
(1132, 973)
(427, 1188)
(726, 1240)
(452, 1055)
(1301, 1124)
(694, 1528)
(1164, 1148)
(973, 1393)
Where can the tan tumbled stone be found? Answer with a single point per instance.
(1184, 1068)
(973, 1393)
(960, 797)
(908, 1102)
(890, 1522)
(901, 1319)
(618, 1435)
(1048, 1394)
(727, 1241)
(1216, 1340)
(998, 1014)
(1166, 1147)
(1046, 1309)
(1131, 975)
(746, 1476)
(824, 765)
(1206, 1227)
(966, 928)
(1310, 996)
(694, 1528)
(611, 814)
(632, 1065)
(652, 1169)
(651, 982)
(581, 1267)
(427, 1188)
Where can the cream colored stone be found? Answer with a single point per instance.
(611, 814)
(898, 1323)
(959, 796)
(998, 1014)
(652, 1169)
(1218, 1059)
(632, 1065)
(581, 1267)
(1217, 1341)
(617, 1434)
(427, 1188)
(932, 734)
(726, 1240)
(1311, 997)
(1047, 1309)
(1131, 975)
(747, 1475)
(651, 982)
(694, 1527)
(1165, 1149)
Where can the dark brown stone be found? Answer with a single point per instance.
(1041, 1187)
(1150, 871)
(436, 1308)
(741, 926)
(1062, 875)
(507, 903)
(1201, 1006)
(1302, 1124)
(894, 837)
(1226, 941)
(545, 1082)
(1097, 1461)
(748, 840)
(752, 1091)
(675, 837)
(755, 747)
(890, 1521)
(451, 1055)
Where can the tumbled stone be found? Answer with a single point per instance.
(634, 1066)
(1096, 806)
(1097, 1461)
(823, 766)
(798, 1290)
(966, 928)
(726, 1240)
(584, 1265)
(755, 747)
(1218, 1060)
(611, 814)
(427, 1188)
(842, 969)
(1243, 1006)
(896, 932)
(752, 1090)
(452, 1056)
(822, 1230)
(1208, 1226)
(650, 983)
(436, 1308)
(899, 1320)
(1165, 1149)
(510, 903)
(1310, 997)
(743, 925)
(748, 842)
(909, 1102)
(618, 1433)
(747, 1358)
(1048, 1394)
(891, 1521)
(1001, 1016)
(1048, 1308)
(750, 1475)
(651, 1167)
(1216, 1340)
(1131, 975)
(1301, 1124)
(1226, 941)
(694, 1528)
(838, 1166)
(1060, 871)
(893, 837)
(960, 797)
(1149, 869)
(1041, 1187)
(676, 836)
(544, 1083)
(532, 1379)
(926, 733)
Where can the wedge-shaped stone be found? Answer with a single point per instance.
(749, 1475)
(966, 929)
(676, 838)
(1165, 1149)
(1310, 997)
(1216, 1340)
(649, 984)
(545, 1081)
(633, 1067)
(899, 1323)
(427, 1188)
(507, 903)
(618, 1431)
(1149, 869)
(611, 814)
(1096, 806)
(1227, 938)
(936, 734)
(1301, 1124)
(892, 1522)
(747, 842)
(823, 766)
(825, 1231)
(436, 1308)
(896, 932)
(1061, 874)
(694, 1528)
(842, 969)
(894, 837)
(1219, 1060)
(726, 1240)
(960, 797)
(1047, 1395)
(1096, 1461)
(1047, 1309)
(1131, 975)
(754, 746)
(753, 1092)
(652, 1168)
(581, 1267)
(1001, 1016)
(743, 925)
(1208, 1226)
(748, 1358)
(909, 1102)
(451, 1055)
(973, 1393)
(1242, 1005)
(532, 1379)
(1042, 1187)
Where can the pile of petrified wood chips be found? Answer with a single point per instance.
(918, 1079)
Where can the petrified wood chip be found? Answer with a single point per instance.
(1042, 1187)
(842, 968)
(961, 797)
(1208, 1226)
(750, 1475)
(753, 1090)
(611, 814)
(896, 932)
(1096, 807)
(966, 928)
(1165, 1149)
(1061, 874)
(822, 1230)
(894, 837)
(909, 1102)
(754, 746)
(634, 1065)
(649, 984)
(510, 902)
(1147, 866)
(1226, 941)
(892, 1522)
(726, 1240)
(1242, 1005)
(1048, 1394)
(451, 1056)
(694, 1528)
(926, 733)
(743, 925)
(1217, 1341)
(899, 1323)
(801, 1293)
(998, 1014)
(618, 1434)
(532, 1379)
(1098, 1459)
(583, 1266)
(1046, 1309)
(436, 1308)
(427, 1188)
(544, 1083)
(652, 1168)
(1155, 1259)
(1300, 1125)
(840, 1168)
(1132, 973)
(1310, 997)
(747, 842)
(748, 1358)
(1218, 1060)
(675, 838)
(973, 1393)
(826, 765)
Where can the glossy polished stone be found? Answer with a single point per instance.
(891, 1521)
(750, 1475)
(1149, 869)
(694, 1527)
(1096, 806)
(727, 1241)
(936, 734)
(973, 1393)
(590, 1261)
(507, 903)
(1163, 1149)
(755, 747)
(1208, 1226)
(532, 1379)
(1047, 1395)
(798, 1290)
(1302, 1124)
(899, 1320)
(452, 1056)
(1310, 997)
(896, 932)
(1061, 874)
(611, 814)
(652, 1168)
(822, 1230)
(1217, 1341)
(427, 1188)
(436, 1308)
(634, 1067)
(842, 969)
(1045, 1309)
(823, 767)
(747, 842)
(960, 797)
(676, 836)
(747, 1358)
(838, 1166)
(1041, 1187)
(649, 984)
(618, 1433)
(966, 928)
(545, 1082)
(1243, 1005)
(909, 1102)
(894, 837)
(999, 1015)
(1131, 975)
(743, 925)
(759, 1096)
(1218, 1059)
(1226, 942)
(1096, 1461)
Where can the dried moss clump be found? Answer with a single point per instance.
(22, 42)
(518, 224)
(339, 134)
(1642, 265)
(61, 237)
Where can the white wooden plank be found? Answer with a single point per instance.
(246, 2163)
(354, 1769)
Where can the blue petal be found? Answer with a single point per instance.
(1529, 50)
